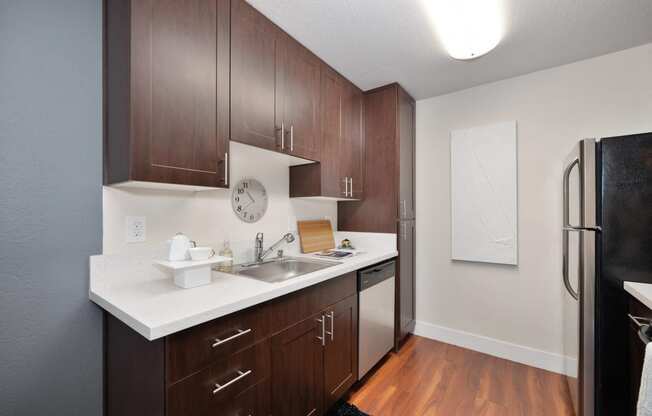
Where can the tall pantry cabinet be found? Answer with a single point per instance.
(388, 206)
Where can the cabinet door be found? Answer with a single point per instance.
(406, 140)
(406, 292)
(180, 89)
(254, 43)
(352, 144)
(297, 369)
(332, 96)
(341, 352)
(298, 98)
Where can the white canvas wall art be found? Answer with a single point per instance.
(484, 196)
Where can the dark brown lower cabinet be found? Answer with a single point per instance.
(341, 350)
(314, 363)
(294, 355)
(405, 295)
(297, 362)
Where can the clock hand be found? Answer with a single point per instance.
(251, 197)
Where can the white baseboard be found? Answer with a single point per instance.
(513, 352)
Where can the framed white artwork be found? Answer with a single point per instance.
(484, 194)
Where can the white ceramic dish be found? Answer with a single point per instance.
(201, 253)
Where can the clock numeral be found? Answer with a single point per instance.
(239, 208)
(240, 191)
(245, 185)
(251, 217)
(237, 199)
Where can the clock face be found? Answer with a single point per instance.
(249, 200)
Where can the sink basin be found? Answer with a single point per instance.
(279, 270)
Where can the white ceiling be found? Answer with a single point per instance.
(375, 42)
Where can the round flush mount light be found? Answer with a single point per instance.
(468, 29)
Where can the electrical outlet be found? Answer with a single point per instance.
(136, 229)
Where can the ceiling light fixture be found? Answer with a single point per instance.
(468, 29)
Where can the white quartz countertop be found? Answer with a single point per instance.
(641, 291)
(144, 296)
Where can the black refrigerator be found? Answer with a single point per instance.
(606, 239)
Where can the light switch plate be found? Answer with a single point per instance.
(136, 229)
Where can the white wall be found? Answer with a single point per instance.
(600, 97)
(207, 216)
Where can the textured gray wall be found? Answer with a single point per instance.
(50, 206)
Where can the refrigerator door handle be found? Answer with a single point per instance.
(566, 195)
(565, 263)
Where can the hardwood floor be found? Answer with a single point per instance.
(432, 378)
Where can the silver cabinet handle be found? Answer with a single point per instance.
(404, 207)
(282, 135)
(291, 137)
(351, 187)
(226, 168)
(239, 333)
(331, 315)
(240, 376)
(346, 186)
(323, 331)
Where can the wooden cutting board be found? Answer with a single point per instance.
(316, 235)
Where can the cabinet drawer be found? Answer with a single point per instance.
(219, 386)
(195, 348)
(292, 308)
(255, 401)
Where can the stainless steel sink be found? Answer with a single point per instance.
(279, 270)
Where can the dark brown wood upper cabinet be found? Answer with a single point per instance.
(275, 87)
(255, 44)
(352, 141)
(340, 174)
(406, 136)
(167, 92)
(298, 99)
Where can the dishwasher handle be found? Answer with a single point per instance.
(376, 274)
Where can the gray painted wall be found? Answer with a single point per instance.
(50, 206)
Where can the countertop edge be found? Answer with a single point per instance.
(155, 332)
(634, 289)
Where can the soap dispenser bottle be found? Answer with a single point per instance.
(227, 265)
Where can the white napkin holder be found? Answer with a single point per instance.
(189, 273)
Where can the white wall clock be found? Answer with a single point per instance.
(249, 200)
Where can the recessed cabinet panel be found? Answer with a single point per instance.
(254, 51)
(406, 279)
(297, 362)
(184, 85)
(341, 351)
(167, 92)
(352, 141)
(298, 99)
(332, 85)
(407, 143)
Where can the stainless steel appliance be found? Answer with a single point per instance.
(376, 316)
(606, 239)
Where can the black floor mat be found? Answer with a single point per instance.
(345, 409)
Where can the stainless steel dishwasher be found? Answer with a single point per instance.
(376, 286)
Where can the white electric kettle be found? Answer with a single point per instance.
(178, 247)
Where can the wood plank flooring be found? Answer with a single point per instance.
(431, 378)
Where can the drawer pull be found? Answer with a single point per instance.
(240, 376)
(239, 333)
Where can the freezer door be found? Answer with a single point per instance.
(578, 274)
